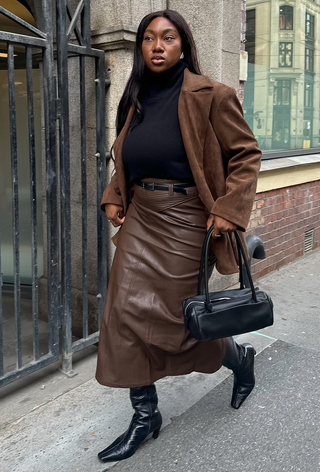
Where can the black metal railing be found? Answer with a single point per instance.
(83, 50)
(44, 42)
(1, 318)
(76, 41)
(15, 201)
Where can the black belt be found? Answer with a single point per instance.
(179, 187)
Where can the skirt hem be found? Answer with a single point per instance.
(155, 379)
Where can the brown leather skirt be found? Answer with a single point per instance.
(156, 264)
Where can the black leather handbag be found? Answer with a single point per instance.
(229, 312)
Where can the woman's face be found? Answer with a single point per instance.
(161, 45)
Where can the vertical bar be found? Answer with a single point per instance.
(1, 318)
(33, 203)
(84, 194)
(62, 62)
(49, 96)
(85, 24)
(101, 178)
(15, 202)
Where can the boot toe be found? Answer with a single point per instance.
(244, 379)
(239, 396)
(117, 441)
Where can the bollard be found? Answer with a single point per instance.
(256, 250)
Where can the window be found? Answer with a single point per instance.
(285, 54)
(309, 26)
(309, 56)
(308, 95)
(281, 114)
(248, 107)
(251, 34)
(21, 97)
(285, 18)
(306, 133)
(281, 95)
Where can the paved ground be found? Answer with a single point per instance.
(53, 423)
(277, 430)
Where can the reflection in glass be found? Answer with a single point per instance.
(308, 96)
(285, 17)
(286, 92)
(285, 54)
(307, 129)
(309, 59)
(309, 26)
(23, 169)
(282, 92)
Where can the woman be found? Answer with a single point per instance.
(185, 159)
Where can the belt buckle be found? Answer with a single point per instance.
(150, 185)
(180, 189)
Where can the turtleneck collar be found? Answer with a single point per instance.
(156, 85)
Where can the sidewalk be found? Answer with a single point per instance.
(59, 424)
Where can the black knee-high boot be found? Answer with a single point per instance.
(146, 419)
(240, 359)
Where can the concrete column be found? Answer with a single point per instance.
(206, 22)
(115, 33)
(231, 45)
(216, 27)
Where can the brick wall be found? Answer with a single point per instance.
(280, 218)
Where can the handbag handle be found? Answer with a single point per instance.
(204, 261)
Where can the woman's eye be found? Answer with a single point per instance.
(148, 38)
(167, 38)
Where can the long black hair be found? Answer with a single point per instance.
(131, 92)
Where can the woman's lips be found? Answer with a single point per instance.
(157, 60)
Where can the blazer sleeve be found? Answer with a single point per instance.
(242, 159)
(112, 193)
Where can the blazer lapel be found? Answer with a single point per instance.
(194, 111)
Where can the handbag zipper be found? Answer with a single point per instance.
(211, 301)
(219, 299)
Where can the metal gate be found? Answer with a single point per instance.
(73, 42)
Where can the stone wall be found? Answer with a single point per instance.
(216, 27)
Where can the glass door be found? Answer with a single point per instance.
(20, 83)
(281, 114)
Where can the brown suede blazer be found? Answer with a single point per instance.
(223, 155)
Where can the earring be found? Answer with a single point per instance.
(182, 56)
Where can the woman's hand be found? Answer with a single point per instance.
(114, 213)
(220, 226)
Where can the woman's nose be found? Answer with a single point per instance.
(157, 46)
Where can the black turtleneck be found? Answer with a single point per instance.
(154, 147)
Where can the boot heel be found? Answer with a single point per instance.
(156, 433)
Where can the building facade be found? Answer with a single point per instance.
(282, 92)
